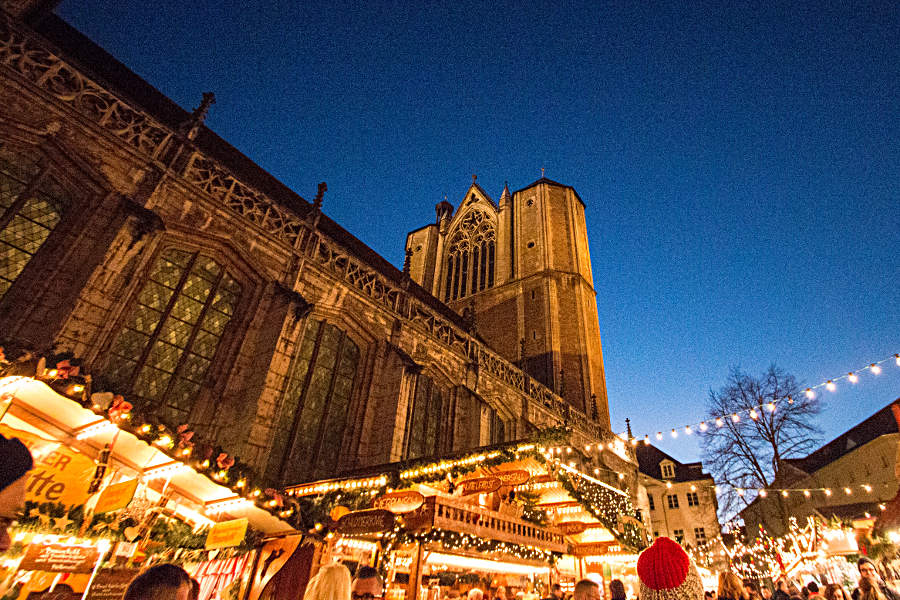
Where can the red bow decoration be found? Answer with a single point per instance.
(276, 496)
(65, 369)
(224, 461)
(184, 436)
(119, 407)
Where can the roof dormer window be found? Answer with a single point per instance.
(668, 469)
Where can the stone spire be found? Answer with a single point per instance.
(191, 127)
(505, 196)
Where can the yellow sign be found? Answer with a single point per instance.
(226, 534)
(116, 496)
(59, 474)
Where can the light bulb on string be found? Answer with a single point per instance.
(646, 440)
(735, 417)
(763, 493)
(876, 369)
(784, 493)
(806, 493)
(719, 422)
(753, 414)
(771, 406)
(897, 359)
(827, 492)
(688, 430)
(659, 435)
(830, 386)
(868, 488)
(848, 491)
(809, 393)
(852, 377)
(674, 433)
(703, 426)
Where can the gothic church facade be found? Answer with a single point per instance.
(185, 277)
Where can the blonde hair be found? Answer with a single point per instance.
(331, 582)
(730, 586)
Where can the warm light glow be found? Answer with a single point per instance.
(647, 440)
(771, 406)
(810, 394)
(753, 414)
(784, 493)
(481, 564)
(693, 488)
(852, 377)
(703, 426)
(719, 422)
(868, 488)
(875, 369)
(166, 470)
(897, 359)
(669, 484)
(674, 433)
(806, 493)
(735, 417)
(763, 493)
(232, 503)
(830, 386)
(659, 435)
(740, 491)
(848, 491)
(827, 492)
(102, 426)
(688, 430)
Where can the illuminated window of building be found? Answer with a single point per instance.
(678, 534)
(650, 502)
(700, 535)
(668, 470)
(470, 257)
(312, 417)
(673, 500)
(692, 499)
(31, 205)
(170, 339)
(428, 430)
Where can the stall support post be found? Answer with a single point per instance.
(415, 573)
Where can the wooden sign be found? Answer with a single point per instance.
(399, 502)
(597, 549)
(57, 558)
(226, 534)
(110, 584)
(516, 477)
(374, 520)
(479, 485)
(573, 527)
(116, 496)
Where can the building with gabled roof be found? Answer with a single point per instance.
(851, 478)
(678, 499)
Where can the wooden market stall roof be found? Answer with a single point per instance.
(38, 406)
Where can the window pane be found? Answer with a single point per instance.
(156, 296)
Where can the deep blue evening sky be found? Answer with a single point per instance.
(740, 163)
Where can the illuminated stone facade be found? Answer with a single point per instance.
(203, 289)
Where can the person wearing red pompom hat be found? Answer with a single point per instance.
(667, 573)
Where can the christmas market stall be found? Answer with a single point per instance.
(518, 516)
(113, 490)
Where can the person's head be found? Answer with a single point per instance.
(331, 582)
(782, 585)
(766, 593)
(556, 591)
(475, 594)
(869, 590)
(730, 586)
(751, 590)
(867, 568)
(813, 587)
(586, 590)
(15, 462)
(616, 589)
(195, 590)
(160, 582)
(667, 573)
(501, 592)
(367, 584)
(833, 591)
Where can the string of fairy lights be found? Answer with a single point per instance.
(754, 412)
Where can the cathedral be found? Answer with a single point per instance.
(182, 275)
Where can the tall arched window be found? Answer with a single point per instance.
(31, 205)
(470, 257)
(168, 342)
(310, 423)
(428, 430)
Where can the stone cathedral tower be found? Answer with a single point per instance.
(523, 265)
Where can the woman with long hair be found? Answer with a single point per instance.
(835, 591)
(868, 590)
(731, 587)
(331, 582)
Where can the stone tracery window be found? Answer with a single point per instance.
(470, 257)
(169, 341)
(310, 423)
(31, 206)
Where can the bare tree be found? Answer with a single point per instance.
(747, 453)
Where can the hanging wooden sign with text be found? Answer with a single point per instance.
(57, 558)
(226, 534)
(374, 520)
(399, 502)
(515, 477)
(116, 496)
(597, 549)
(573, 527)
(479, 485)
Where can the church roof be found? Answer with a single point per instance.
(545, 181)
(80, 51)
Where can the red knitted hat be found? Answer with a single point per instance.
(666, 573)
